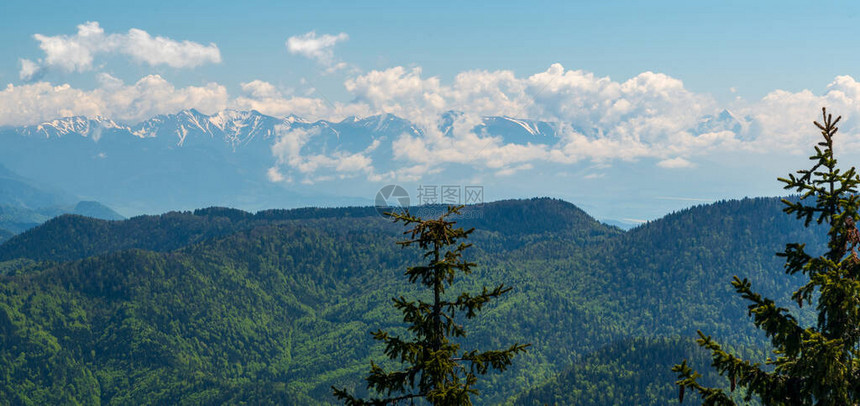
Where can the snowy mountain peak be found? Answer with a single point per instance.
(725, 120)
(527, 125)
(234, 126)
(292, 118)
(72, 125)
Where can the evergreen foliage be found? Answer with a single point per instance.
(819, 364)
(445, 375)
(627, 372)
(221, 306)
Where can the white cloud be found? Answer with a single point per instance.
(675, 163)
(29, 70)
(316, 166)
(513, 170)
(260, 89)
(318, 48)
(597, 120)
(76, 53)
(267, 99)
(165, 51)
(649, 115)
(398, 91)
(149, 96)
(783, 120)
(275, 175)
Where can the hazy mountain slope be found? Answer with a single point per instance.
(17, 191)
(15, 219)
(5, 235)
(96, 210)
(25, 204)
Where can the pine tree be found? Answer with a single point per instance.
(435, 368)
(815, 365)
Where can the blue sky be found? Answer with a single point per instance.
(640, 73)
(713, 46)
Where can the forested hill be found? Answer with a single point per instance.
(220, 305)
(627, 372)
(72, 237)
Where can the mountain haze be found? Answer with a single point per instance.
(249, 160)
(25, 203)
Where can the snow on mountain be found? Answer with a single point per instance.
(529, 126)
(238, 128)
(519, 131)
(724, 121)
(247, 159)
(71, 125)
(180, 125)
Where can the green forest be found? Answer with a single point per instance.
(224, 306)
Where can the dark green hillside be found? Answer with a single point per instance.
(229, 308)
(628, 372)
(71, 237)
(678, 268)
(671, 277)
(223, 305)
(534, 216)
(186, 326)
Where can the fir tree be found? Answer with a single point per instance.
(815, 365)
(435, 368)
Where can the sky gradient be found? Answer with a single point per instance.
(640, 74)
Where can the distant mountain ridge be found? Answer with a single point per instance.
(253, 161)
(233, 126)
(238, 127)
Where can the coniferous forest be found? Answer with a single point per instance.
(276, 307)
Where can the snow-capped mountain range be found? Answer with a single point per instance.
(190, 159)
(238, 128)
(234, 127)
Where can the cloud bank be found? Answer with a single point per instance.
(597, 120)
(77, 53)
(151, 95)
